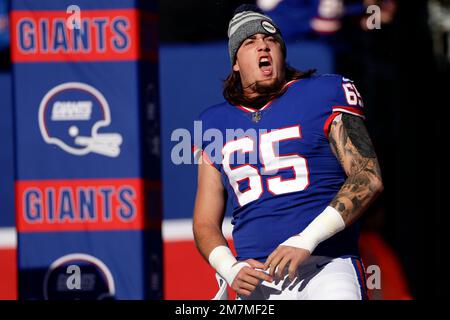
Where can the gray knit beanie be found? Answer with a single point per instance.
(247, 21)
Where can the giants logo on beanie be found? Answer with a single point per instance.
(247, 21)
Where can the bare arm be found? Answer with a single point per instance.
(208, 217)
(209, 210)
(352, 146)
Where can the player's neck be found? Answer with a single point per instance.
(257, 103)
(257, 97)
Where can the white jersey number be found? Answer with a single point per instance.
(351, 94)
(272, 163)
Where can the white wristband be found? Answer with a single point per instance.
(221, 258)
(325, 225)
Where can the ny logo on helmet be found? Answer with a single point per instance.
(70, 116)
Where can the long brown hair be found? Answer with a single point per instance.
(234, 94)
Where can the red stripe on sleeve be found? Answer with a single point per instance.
(326, 127)
(351, 110)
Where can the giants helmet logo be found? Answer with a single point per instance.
(70, 116)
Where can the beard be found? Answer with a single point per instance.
(267, 86)
(265, 91)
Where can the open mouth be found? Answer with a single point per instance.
(265, 65)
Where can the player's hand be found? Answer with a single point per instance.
(248, 278)
(285, 257)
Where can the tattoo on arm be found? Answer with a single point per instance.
(351, 143)
(358, 135)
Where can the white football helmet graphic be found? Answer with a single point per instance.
(70, 116)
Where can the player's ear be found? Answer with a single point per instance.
(236, 66)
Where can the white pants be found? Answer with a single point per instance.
(318, 278)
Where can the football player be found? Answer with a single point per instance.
(296, 203)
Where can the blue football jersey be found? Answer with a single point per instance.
(277, 165)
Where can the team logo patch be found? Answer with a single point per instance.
(70, 116)
(268, 27)
(78, 276)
